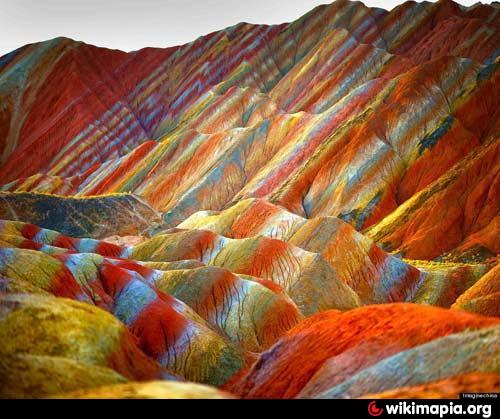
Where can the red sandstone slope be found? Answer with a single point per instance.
(257, 209)
(306, 347)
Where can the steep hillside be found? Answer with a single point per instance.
(294, 210)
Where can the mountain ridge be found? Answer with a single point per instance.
(318, 197)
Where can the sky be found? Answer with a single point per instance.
(133, 24)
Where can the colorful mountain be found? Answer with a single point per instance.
(303, 210)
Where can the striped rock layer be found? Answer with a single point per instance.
(308, 209)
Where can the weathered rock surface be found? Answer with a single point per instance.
(308, 209)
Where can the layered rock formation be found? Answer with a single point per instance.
(281, 211)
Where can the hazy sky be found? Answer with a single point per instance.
(133, 24)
